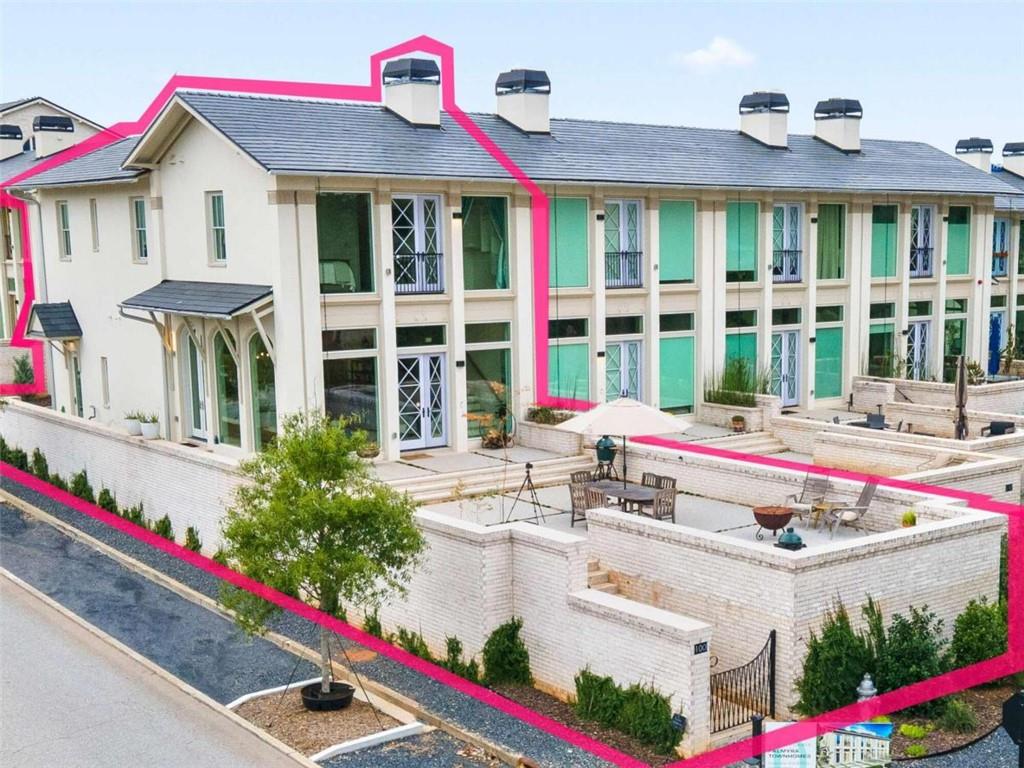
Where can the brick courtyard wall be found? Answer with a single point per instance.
(190, 485)
(1005, 397)
(747, 590)
(546, 437)
(795, 433)
(757, 418)
(938, 420)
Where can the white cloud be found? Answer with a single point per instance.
(720, 53)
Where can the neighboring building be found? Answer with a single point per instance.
(1008, 251)
(30, 131)
(252, 256)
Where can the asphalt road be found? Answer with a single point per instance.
(70, 700)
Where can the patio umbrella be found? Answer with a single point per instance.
(960, 398)
(625, 417)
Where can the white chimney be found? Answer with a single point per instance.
(1013, 157)
(763, 117)
(523, 96)
(11, 141)
(837, 122)
(412, 89)
(976, 152)
(51, 134)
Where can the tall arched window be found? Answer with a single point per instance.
(228, 410)
(264, 394)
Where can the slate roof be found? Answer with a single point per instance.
(18, 164)
(198, 298)
(1010, 202)
(102, 165)
(17, 103)
(57, 321)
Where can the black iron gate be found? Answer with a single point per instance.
(740, 693)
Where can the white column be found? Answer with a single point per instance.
(765, 278)
(712, 299)
(810, 273)
(521, 266)
(652, 260)
(387, 384)
(981, 290)
(857, 314)
(938, 351)
(600, 306)
(1014, 277)
(457, 343)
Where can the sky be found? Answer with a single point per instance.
(933, 72)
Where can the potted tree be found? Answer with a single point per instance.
(149, 424)
(739, 423)
(133, 423)
(313, 523)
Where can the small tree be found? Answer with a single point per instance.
(23, 373)
(836, 662)
(312, 522)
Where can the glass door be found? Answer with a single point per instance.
(195, 390)
(622, 370)
(422, 401)
(918, 342)
(996, 341)
(921, 225)
(785, 381)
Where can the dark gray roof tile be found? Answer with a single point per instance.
(101, 165)
(54, 321)
(197, 298)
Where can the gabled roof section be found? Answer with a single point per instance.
(55, 322)
(292, 136)
(10, 106)
(101, 166)
(1012, 202)
(199, 298)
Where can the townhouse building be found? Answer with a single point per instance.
(1008, 253)
(250, 256)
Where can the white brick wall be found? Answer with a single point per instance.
(546, 437)
(1004, 397)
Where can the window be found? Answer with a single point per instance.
(76, 378)
(831, 241)
(350, 392)
(676, 226)
(919, 309)
(786, 316)
(416, 242)
(740, 242)
(623, 251)
(349, 339)
(883, 310)
(624, 325)
(1000, 247)
(568, 362)
(228, 405)
(94, 224)
(829, 314)
(105, 382)
(956, 306)
(567, 329)
(264, 393)
(569, 244)
(786, 243)
(140, 242)
(63, 229)
(488, 375)
(420, 335)
(828, 362)
(954, 345)
(741, 318)
(922, 219)
(881, 347)
(741, 346)
(215, 216)
(484, 243)
(883, 241)
(958, 250)
(344, 242)
(679, 321)
(997, 301)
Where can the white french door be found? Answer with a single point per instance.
(422, 401)
(918, 354)
(622, 244)
(195, 390)
(922, 225)
(786, 248)
(622, 369)
(785, 378)
(416, 239)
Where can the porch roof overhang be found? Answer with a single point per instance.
(54, 322)
(197, 298)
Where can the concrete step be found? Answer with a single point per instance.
(593, 565)
(757, 443)
(599, 579)
(606, 587)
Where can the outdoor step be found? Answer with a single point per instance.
(606, 587)
(598, 577)
(593, 565)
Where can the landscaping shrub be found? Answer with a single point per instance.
(914, 650)
(737, 384)
(836, 662)
(163, 527)
(135, 515)
(58, 482)
(1004, 570)
(542, 414)
(506, 659)
(192, 540)
(597, 698)
(23, 370)
(18, 459)
(107, 501)
(220, 557)
(916, 750)
(456, 664)
(914, 732)
(646, 715)
(4, 450)
(958, 717)
(414, 643)
(39, 466)
(979, 633)
(372, 625)
(80, 487)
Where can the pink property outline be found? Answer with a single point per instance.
(1011, 661)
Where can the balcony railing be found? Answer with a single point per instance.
(921, 261)
(1000, 264)
(623, 269)
(419, 273)
(786, 266)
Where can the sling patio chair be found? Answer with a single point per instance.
(851, 515)
(810, 496)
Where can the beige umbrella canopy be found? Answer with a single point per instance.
(627, 418)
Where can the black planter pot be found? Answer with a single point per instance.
(339, 697)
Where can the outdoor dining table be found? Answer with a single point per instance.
(627, 493)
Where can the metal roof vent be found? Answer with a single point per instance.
(523, 96)
(10, 141)
(764, 116)
(53, 123)
(837, 122)
(1013, 158)
(976, 152)
(412, 89)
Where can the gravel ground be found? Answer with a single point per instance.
(431, 750)
(472, 715)
(994, 751)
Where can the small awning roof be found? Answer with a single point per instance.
(198, 298)
(56, 322)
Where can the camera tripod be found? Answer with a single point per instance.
(528, 486)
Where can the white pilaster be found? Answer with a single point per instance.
(521, 265)
(457, 421)
(600, 306)
(652, 334)
(387, 385)
(808, 311)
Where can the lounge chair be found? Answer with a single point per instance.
(811, 495)
(851, 515)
